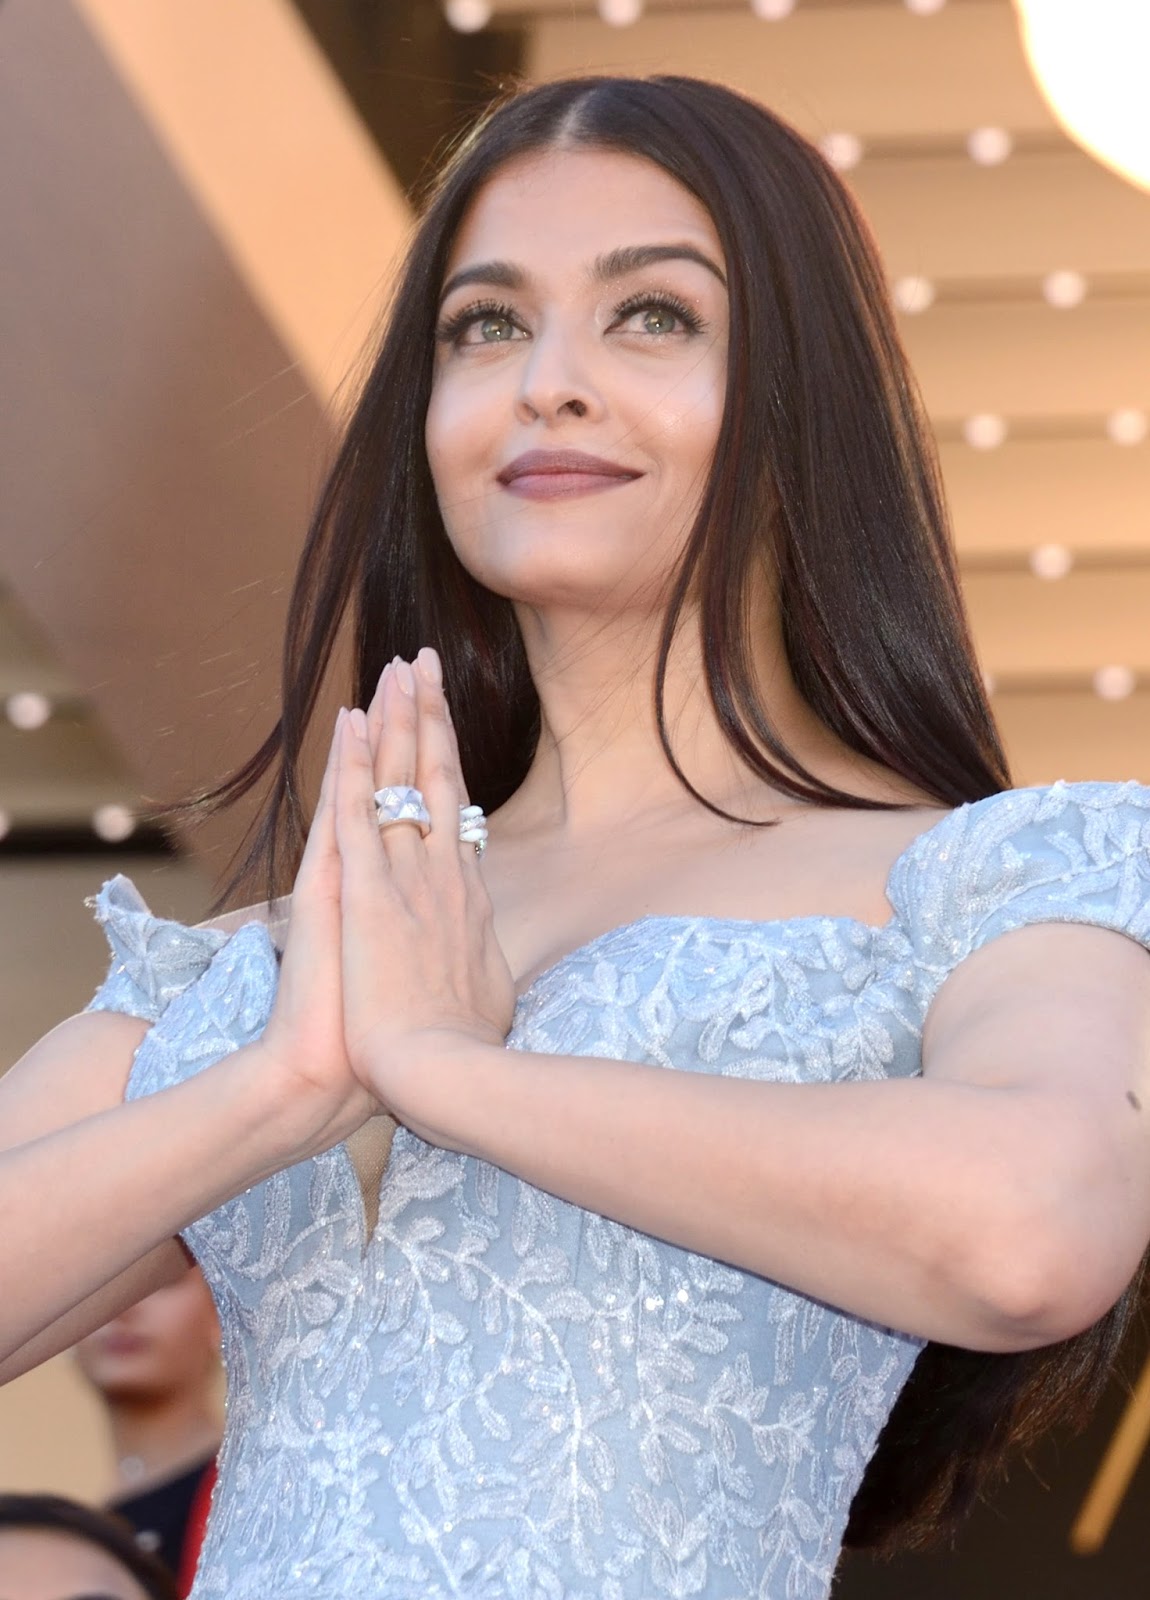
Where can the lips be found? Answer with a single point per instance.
(563, 475)
(123, 1344)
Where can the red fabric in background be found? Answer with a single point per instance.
(197, 1526)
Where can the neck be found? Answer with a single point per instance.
(600, 762)
(156, 1439)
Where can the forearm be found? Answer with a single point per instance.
(84, 1203)
(919, 1205)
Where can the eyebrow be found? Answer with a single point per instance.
(605, 268)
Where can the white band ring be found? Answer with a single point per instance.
(400, 802)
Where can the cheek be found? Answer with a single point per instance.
(458, 432)
(436, 436)
(686, 418)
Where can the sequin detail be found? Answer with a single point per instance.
(501, 1396)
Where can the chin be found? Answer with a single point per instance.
(564, 573)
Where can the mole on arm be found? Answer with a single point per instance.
(1133, 1099)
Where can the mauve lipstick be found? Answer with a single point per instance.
(560, 474)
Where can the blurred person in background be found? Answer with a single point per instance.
(772, 1143)
(52, 1548)
(156, 1369)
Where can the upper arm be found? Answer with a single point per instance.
(1061, 1014)
(77, 1070)
(1053, 1004)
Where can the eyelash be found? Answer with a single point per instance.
(451, 328)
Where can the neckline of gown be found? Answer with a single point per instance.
(811, 917)
(368, 1236)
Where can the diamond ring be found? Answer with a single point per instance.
(399, 802)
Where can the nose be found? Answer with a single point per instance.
(555, 381)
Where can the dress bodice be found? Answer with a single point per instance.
(502, 1396)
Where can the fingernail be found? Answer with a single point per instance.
(429, 667)
(339, 716)
(358, 722)
(404, 677)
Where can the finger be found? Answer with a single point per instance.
(470, 855)
(454, 743)
(437, 762)
(317, 882)
(320, 845)
(395, 759)
(363, 866)
(375, 710)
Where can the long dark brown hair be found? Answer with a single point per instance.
(825, 471)
(104, 1530)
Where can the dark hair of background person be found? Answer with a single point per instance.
(52, 1513)
(824, 471)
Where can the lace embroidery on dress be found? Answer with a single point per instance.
(504, 1397)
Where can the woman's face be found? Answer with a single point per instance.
(579, 379)
(164, 1344)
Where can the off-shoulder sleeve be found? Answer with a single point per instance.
(1072, 852)
(153, 960)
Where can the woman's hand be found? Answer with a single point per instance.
(422, 970)
(304, 1036)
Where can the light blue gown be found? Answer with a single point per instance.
(502, 1396)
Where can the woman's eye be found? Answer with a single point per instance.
(491, 327)
(657, 319)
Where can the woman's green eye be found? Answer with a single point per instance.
(494, 330)
(659, 319)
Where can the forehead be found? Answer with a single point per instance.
(42, 1563)
(556, 210)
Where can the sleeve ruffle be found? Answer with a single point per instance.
(1070, 852)
(153, 959)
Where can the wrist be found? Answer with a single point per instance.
(439, 1084)
(297, 1117)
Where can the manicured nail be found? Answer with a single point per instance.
(339, 716)
(358, 722)
(429, 668)
(404, 677)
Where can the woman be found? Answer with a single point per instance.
(155, 1370)
(768, 1044)
(57, 1549)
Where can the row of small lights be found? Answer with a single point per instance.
(29, 710)
(986, 430)
(112, 823)
(469, 16)
(1063, 290)
(987, 147)
(1108, 683)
